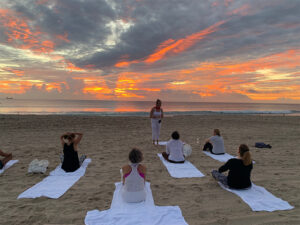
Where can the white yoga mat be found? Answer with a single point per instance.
(56, 184)
(181, 170)
(8, 164)
(162, 143)
(144, 213)
(222, 158)
(259, 199)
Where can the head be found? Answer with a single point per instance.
(245, 154)
(217, 132)
(69, 138)
(175, 135)
(158, 103)
(135, 156)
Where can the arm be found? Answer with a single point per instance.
(78, 138)
(162, 114)
(62, 138)
(225, 167)
(125, 169)
(168, 149)
(143, 169)
(151, 113)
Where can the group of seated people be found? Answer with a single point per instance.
(134, 175)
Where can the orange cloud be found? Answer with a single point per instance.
(63, 37)
(171, 47)
(22, 35)
(243, 10)
(16, 72)
(14, 87)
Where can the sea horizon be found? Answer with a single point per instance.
(138, 108)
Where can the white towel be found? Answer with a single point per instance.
(162, 143)
(181, 170)
(259, 199)
(144, 213)
(222, 158)
(8, 164)
(56, 184)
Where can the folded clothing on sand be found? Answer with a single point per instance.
(262, 145)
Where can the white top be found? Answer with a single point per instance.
(157, 114)
(134, 182)
(174, 149)
(218, 144)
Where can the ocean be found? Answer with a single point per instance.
(138, 108)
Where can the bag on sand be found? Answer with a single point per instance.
(187, 150)
(38, 166)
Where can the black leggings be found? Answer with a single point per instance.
(208, 147)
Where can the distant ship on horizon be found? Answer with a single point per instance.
(9, 98)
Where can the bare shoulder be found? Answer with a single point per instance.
(126, 169)
(142, 168)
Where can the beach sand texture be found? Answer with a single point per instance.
(108, 140)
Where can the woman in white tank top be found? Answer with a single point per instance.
(156, 115)
(134, 176)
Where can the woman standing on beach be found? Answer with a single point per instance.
(134, 176)
(70, 143)
(156, 115)
(239, 170)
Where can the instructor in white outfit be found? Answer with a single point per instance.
(156, 116)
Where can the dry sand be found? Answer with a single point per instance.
(107, 140)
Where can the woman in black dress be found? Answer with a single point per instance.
(70, 143)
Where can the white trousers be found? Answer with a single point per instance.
(155, 128)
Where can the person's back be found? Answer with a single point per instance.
(238, 175)
(218, 144)
(134, 185)
(71, 160)
(175, 150)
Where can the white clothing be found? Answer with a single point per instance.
(174, 149)
(133, 189)
(155, 128)
(218, 144)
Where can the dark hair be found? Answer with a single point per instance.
(217, 132)
(175, 135)
(158, 100)
(135, 156)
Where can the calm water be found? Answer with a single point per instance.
(140, 108)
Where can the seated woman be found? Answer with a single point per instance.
(174, 149)
(70, 142)
(7, 157)
(134, 176)
(239, 170)
(215, 144)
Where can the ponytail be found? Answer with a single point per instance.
(245, 154)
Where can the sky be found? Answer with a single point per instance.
(176, 50)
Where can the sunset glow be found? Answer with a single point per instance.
(220, 50)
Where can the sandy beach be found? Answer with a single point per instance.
(108, 140)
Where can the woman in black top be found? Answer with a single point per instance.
(239, 170)
(70, 142)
